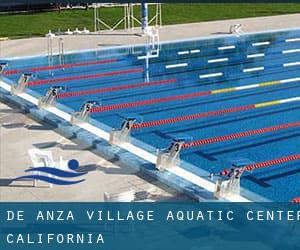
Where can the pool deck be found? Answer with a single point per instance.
(38, 45)
(106, 176)
(18, 133)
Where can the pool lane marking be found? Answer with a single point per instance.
(176, 119)
(194, 51)
(178, 65)
(253, 69)
(147, 56)
(150, 157)
(225, 59)
(261, 43)
(238, 135)
(256, 55)
(290, 51)
(292, 40)
(65, 66)
(186, 52)
(291, 64)
(80, 77)
(226, 47)
(187, 96)
(210, 75)
(116, 88)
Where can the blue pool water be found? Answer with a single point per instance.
(237, 61)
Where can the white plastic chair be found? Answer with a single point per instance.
(69, 32)
(85, 31)
(77, 31)
(50, 34)
(41, 158)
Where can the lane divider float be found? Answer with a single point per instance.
(265, 164)
(188, 96)
(116, 88)
(296, 200)
(161, 122)
(234, 136)
(65, 66)
(81, 77)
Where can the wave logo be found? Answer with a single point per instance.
(55, 175)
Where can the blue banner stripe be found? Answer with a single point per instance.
(48, 179)
(56, 172)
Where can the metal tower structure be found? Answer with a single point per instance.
(129, 20)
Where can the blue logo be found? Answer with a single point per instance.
(62, 174)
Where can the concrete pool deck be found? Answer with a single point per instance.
(38, 45)
(108, 177)
(19, 133)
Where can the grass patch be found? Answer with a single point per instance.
(38, 24)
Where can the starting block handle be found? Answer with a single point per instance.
(50, 97)
(3, 65)
(84, 113)
(122, 135)
(169, 157)
(22, 83)
(231, 184)
(127, 123)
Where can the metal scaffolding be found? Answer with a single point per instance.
(129, 20)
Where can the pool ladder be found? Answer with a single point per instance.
(61, 53)
(50, 53)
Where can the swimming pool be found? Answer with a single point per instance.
(231, 97)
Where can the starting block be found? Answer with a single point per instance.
(22, 84)
(122, 135)
(226, 188)
(84, 113)
(50, 97)
(231, 184)
(170, 157)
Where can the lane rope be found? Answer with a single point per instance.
(160, 122)
(240, 135)
(264, 164)
(188, 96)
(271, 162)
(191, 117)
(80, 77)
(147, 102)
(65, 66)
(296, 200)
(111, 89)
